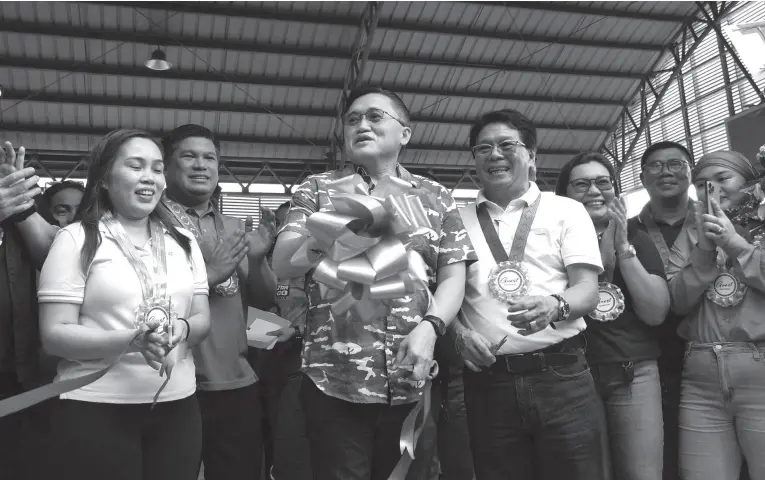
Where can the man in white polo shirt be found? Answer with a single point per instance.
(533, 412)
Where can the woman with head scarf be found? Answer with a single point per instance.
(717, 280)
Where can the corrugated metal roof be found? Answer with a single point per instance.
(267, 76)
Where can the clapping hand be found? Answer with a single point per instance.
(18, 185)
(260, 241)
(223, 256)
(617, 210)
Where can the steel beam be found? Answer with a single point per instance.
(726, 74)
(685, 52)
(260, 80)
(260, 11)
(248, 46)
(249, 108)
(353, 75)
(684, 112)
(571, 7)
(317, 142)
(287, 172)
(715, 24)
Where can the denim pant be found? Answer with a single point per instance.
(453, 438)
(631, 396)
(542, 425)
(722, 411)
(351, 441)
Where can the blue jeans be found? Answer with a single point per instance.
(722, 411)
(542, 425)
(453, 437)
(631, 396)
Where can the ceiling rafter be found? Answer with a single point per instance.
(247, 46)
(267, 12)
(111, 101)
(175, 74)
(290, 170)
(317, 142)
(570, 7)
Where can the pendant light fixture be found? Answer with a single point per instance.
(158, 61)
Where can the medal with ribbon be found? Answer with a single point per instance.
(726, 290)
(610, 297)
(230, 286)
(646, 217)
(362, 252)
(509, 278)
(156, 306)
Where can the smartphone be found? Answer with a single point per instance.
(711, 192)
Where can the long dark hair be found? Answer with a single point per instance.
(95, 200)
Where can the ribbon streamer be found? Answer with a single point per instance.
(411, 430)
(30, 398)
(360, 251)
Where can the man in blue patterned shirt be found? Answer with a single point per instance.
(363, 378)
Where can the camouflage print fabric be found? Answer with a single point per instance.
(351, 360)
(291, 300)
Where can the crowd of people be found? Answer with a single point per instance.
(554, 336)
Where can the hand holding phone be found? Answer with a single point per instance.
(711, 192)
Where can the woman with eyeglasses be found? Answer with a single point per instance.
(122, 287)
(622, 347)
(717, 281)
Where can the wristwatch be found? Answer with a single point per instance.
(627, 254)
(564, 309)
(438, 325)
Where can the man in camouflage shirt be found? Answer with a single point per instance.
(362, 379)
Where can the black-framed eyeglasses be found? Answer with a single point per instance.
(508, 147)
(373, 116)
(674, 166)
(582, 185)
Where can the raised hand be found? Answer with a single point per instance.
(717, 227)
(223, 256)
(617, 210)
(704, 242)
(261, 240)
(10, 160)
(17, 192)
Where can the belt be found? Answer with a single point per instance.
(552, 356)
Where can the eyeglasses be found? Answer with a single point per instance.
(674, 166)
(508, 147)
(373, 116)
(583, 185)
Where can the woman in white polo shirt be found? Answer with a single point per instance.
(121, 284)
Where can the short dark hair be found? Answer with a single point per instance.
(403, 111)
(664, 145)
(564, 176)
(511, 118)
(51, 191)
(171, 140)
